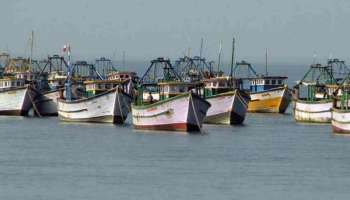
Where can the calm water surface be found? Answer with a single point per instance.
(270, 157)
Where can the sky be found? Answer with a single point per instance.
(292, 30)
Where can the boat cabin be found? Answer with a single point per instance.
(163, 90)
(264, 83)
(96, 87)
(56, 79)
(27, 75)
(11, 82)
(217, 85)
(122, 76)
(171, 89)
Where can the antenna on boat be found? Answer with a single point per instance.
(266, 54)
(232, 57)
(219, 59)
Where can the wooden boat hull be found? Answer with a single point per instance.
(16, 101)
(313, 112)
(110, 107)
(341, 121)
(272, 101)
(185, 112)
(227, 108)
(46, 103)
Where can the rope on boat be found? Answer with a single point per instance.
(195, 114)
(33, 103)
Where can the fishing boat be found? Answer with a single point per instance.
(16, 91)
(228, 104)
(52, 79)
(268, 94)
(341, 108)
(166, 102)
(53, 86)
(312, 99)
(111, 106)
(16, 97)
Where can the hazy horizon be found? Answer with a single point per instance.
(293, 31)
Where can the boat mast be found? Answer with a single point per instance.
(232, 57)
(200, 55)
(266, 73)
(31, 49)
(219, 59)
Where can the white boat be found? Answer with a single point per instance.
(16, 101)
(16, 96)
(227, 108)
(184, 112)
(315, 111)
(341, 121)
(312, 96)
(46, 102)
(111, 106)
(165, 102)
(341, 107)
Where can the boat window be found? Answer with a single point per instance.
(279, 82)
(18, 83)
(267, 82)
(273, 82)
(221, 84)
(108, 86)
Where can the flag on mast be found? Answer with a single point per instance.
(66, 49)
